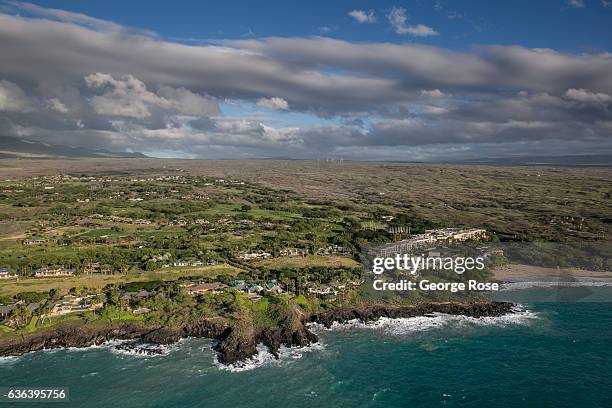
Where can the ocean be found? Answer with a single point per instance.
(551, 354)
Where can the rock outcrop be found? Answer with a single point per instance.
(237, 340)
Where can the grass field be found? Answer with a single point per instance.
(305, 261)
(13, 287)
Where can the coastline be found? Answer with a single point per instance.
(236, 341)
(523, 272)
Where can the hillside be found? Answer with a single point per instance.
(13, 147)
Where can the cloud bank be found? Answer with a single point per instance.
(68, 78)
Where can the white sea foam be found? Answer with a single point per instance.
(144, 350)
(265, 358)
(109, 344)
(410, 325)
(8, 360)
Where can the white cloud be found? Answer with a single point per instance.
(13, 99)
(147, 93)
(189, 103)
(129, 97)
(584, 96)
(575, 3)
(434, 110)
(397, 18)
(126, 96)
(432, 93)
(56, 105)
(362, 16)
(71, 17)
(274, 103)
(421, 30)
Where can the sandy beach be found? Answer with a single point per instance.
(521, 272)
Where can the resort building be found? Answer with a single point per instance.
(8, 273)
(53, 272)
(430, 237)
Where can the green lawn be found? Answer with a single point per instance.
(98, 281)
(97, 233)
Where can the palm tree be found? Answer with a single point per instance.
(21, 314)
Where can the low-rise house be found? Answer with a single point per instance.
(255, 255)
(273, 287)
(203, 288)
(5, 310)
(127, 296)
(188, 263)
(334, 250)
(322, 291)
(33, 306)
(53, 272)
(158, 258)
(141, 222)
(72, 304)
(8, 273)
(489, 253)
(35, 241)
(239, 285)
(96, 267)
(328, 296)
(253, 288)
(294, 252)
(339, 286)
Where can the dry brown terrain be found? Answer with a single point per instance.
(519, 202)
(519, 272)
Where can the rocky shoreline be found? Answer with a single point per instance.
(236, 341)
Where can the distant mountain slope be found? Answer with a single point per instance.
(565, 160)
(14, 147)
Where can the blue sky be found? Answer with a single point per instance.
(385, 80)
(543, 24)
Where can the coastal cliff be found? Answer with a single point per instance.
(236, 340)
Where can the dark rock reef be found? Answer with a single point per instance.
(237, 340)
(373, 312)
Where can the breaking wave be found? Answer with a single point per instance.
(419, 324)
(136, 348)
(265, 358)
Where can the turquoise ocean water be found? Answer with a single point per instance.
(551, 355)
